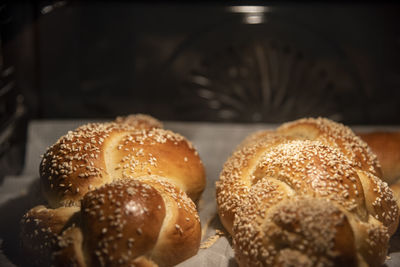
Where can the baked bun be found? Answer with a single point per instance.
(119, 193)
(307, 194)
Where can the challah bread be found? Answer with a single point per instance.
(119, 194)
(306, 194)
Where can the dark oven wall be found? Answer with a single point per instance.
(209, 62)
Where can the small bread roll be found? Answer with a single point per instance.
(306, 194)
(119, 193)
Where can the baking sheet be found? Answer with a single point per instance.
(215, 142)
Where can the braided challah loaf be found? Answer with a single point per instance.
(307, 194)
(120, 194)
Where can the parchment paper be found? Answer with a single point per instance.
(215, 142)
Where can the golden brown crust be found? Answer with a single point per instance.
(75, 164)
(236, 176)
(337, 135)
(180, 235)
(145, 221)
(115, 222)
(69, 250)
(129, 185)
(40, 229)
(386, 145)
(298, 231)
(306, 195)
(97, 153)
(159, 152)
(140, 121)
(396, 192)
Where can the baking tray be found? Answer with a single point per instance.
(214, 141)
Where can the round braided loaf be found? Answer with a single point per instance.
(307, 194)
(120, 194)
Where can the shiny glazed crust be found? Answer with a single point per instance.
(120, 194)
(98, 153)
(307, 194)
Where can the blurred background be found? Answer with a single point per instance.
(212, 62)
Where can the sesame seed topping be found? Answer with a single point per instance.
(279, 187)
